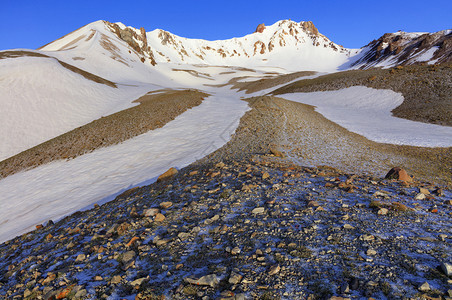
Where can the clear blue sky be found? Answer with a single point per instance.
(351, 23)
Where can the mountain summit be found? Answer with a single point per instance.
(285, 44)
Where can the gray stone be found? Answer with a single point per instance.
(258, 210)
(235, 278)
(419, 196)
(210, 280)
(128, 256)
(425, 287)
(447, 269)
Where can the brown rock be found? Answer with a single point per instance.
(132, 241)
(260, 28)
(309, 27)
(167, 175)
(166, 204)
(399, 174)
(159, 217)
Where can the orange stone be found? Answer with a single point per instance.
(159, 217)
(132, 241)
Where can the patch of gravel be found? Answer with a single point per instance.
(154, 111)
(266, 83)
(309, 139)
(427, 89)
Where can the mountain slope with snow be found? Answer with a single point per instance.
(404, 48)
(101, 68)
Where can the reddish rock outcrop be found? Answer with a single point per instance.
(260, 28)
(309, 27)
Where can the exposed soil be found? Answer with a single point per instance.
(427, 89)
(154, 111)
(309, 139)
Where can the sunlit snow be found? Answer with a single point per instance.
(367, 111)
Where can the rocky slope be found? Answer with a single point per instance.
(247, 223)
(252, 229)
(403, 48)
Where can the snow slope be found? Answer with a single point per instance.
(367, 111)
(40, 99)
(57, 189)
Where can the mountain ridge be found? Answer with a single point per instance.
(286, 43)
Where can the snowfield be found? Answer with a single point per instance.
(367, 111)
(54, 190)
(40, 99)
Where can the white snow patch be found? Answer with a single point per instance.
(59, 188)
(426, 55)
(367, 111)
(40, 99)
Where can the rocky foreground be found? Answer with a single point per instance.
(257, 228)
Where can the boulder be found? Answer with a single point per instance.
(399, 174)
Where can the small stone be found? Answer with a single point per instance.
(80, 258)
(151, 212)
(425, 287)
(258, 210)
(128, 256)
(371, 252)
(420, 196)
(193, 173)
(159, 217)
(274, 270)
(132, 241)
(98, 278)
(424, 191)
(27, 293)
(116, 279)
(313, 203)
(382, 211)
(81, 294)
(348, 226)
(235, 251)
(447, 269)
(210, 280)
(265, 175)
(183, 235)
(235, 278)
(138, 282)
(166, 204)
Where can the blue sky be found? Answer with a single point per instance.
(31, 24)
